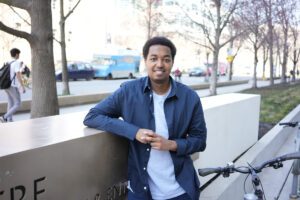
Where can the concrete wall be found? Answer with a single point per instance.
(232, 124)
(264, 149)
(59, 158)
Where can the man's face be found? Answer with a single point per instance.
(159, 63)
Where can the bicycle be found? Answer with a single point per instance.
(295, 168)
(253, 171)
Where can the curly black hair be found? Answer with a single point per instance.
(159, 40)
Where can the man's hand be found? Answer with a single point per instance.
(144, 135)
(160, 143)
(23, 89)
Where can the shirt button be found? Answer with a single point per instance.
(145, 188)
(144, 168)
(148, 149)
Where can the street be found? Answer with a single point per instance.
(103, 86)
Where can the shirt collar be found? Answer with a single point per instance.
(147, 86)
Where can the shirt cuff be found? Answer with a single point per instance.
(181, 146)
(130, 131)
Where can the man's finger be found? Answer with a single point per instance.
(149, 133)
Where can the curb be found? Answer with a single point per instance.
(72, 100)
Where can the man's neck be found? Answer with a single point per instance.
(161, 88)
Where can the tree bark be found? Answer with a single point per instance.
(213, 78)
(254, 85)
(65, 74)
(285, 57)
(44, 94)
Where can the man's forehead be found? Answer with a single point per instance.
(159, 49)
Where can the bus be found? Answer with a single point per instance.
(122, 65)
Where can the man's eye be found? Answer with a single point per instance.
(167, 60)
(153, 59)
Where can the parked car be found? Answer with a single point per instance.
(77, 70)
(197, 71)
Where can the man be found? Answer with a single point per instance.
(164, 122)
(13, 94)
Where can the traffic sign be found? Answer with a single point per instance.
(229, 58)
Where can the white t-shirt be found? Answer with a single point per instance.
(14, 68)
(162, 182)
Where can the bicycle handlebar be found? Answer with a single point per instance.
(231, 169)
(291, 124)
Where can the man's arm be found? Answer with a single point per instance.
(196, 139)
(105, 116)
(19, 78)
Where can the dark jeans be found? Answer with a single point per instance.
(132, 196)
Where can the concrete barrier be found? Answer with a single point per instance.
(58, 158)
(96, 97)
(232, 123)
(264, 149)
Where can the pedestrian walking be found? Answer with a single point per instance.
(13, 94)
(164, 122)
(177, 74)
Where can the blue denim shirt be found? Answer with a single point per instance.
(133, 101)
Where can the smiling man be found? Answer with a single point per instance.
(164, 123)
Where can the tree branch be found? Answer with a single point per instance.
(23, 4)
(71, 11)
(188, 38)
(19, 15)
(227, 18)
(15, 32)
(232, 38)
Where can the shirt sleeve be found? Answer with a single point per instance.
(196, 138)
(105, 116)
(17, 66)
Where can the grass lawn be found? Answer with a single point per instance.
(276, 101)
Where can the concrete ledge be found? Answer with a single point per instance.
(264, 149)
(58, 157)
(62, 101)
(94, 98)
(232, 122)
(219, 84)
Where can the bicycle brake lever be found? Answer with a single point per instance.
(277, 165)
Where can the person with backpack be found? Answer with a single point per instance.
(12, 86)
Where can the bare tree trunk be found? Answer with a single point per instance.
(229, 71)
(65, 75)
(271, 59)
(285, 57)
(149, 19)
(207, 69)
(254, 85)
(44, 94)
(213, 78)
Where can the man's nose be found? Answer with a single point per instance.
(159, 63)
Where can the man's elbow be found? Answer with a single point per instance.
(89, 119)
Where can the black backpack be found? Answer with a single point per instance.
(5, 81)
